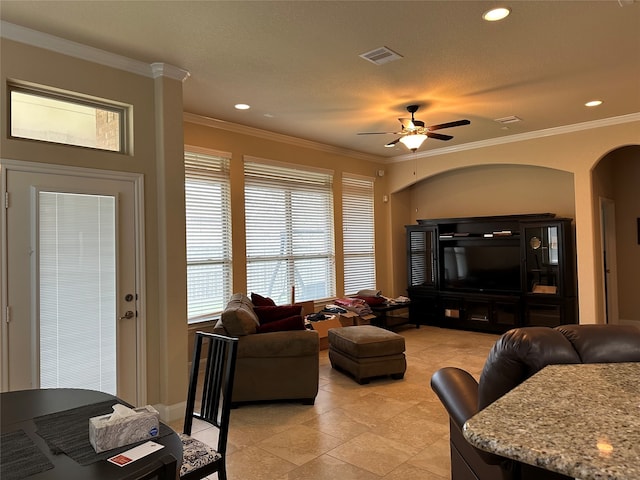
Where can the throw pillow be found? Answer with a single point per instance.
(260, 301)
(238, 317)
(372, 300)
(294, 322)
(272, 313)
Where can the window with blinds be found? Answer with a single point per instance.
(289, 232)
(358, 234)
(208, 218)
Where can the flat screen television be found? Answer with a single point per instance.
(490, 268)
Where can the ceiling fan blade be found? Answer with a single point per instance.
(449, 125)
(379, 133)
(438, 136)
(391, 144)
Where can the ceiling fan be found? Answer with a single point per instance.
(414, 132)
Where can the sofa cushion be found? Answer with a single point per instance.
(603, 344)
(260, 301)
(269, 314)
(294, 322)
(517, 355)
(292, 344)
(238, 317)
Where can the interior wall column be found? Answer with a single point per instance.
(586, 230)
(172, 257)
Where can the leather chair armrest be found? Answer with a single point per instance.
(458, 392)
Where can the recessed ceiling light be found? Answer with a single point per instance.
(496, 14)
(593, 103)
(242, 106)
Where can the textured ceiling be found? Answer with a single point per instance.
(296, 62)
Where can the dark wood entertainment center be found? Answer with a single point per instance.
(492, 273)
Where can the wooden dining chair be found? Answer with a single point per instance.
(198, 458)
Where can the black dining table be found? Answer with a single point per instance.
(45, 436)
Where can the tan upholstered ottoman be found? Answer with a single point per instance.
(366, 351)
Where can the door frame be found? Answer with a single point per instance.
(137, 179)
(608, 260)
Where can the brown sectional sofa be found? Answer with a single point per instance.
(270, 366)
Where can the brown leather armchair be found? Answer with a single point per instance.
(516, 356)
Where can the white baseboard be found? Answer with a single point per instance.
(635, 323)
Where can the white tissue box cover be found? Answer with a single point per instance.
(106, 434)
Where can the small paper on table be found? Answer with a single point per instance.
(125, 458)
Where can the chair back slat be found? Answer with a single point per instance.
(210, 407)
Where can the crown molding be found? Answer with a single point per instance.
(278, 137)
(520, 137)
(159, 69)
(34, 38)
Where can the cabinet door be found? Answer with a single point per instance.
(541, 243)
(421, 257)
(544, 314)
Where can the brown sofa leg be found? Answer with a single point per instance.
(308, 401)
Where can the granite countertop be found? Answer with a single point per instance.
(579, 420)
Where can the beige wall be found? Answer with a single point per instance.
(156, 153)
(494, 190)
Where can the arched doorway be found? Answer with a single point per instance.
(615, 181)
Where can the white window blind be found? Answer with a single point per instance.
(208, 218)
(77, 240)
(289, 232)
(358, 234)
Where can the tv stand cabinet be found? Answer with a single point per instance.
(492, 273)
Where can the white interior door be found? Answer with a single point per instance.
(72, 307)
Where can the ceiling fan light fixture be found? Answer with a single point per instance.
(496, 14)
(413, 141)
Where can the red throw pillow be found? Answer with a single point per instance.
(260, 301)
(276, 312)
(372, 300)
(294, 322)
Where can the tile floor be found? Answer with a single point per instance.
(388, 429)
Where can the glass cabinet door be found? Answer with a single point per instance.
(422, 260)
(542, 259)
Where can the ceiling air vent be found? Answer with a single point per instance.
(511, 119)
(381, 55)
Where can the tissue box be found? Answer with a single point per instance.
(106, 433)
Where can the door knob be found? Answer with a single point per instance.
(128, 314)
